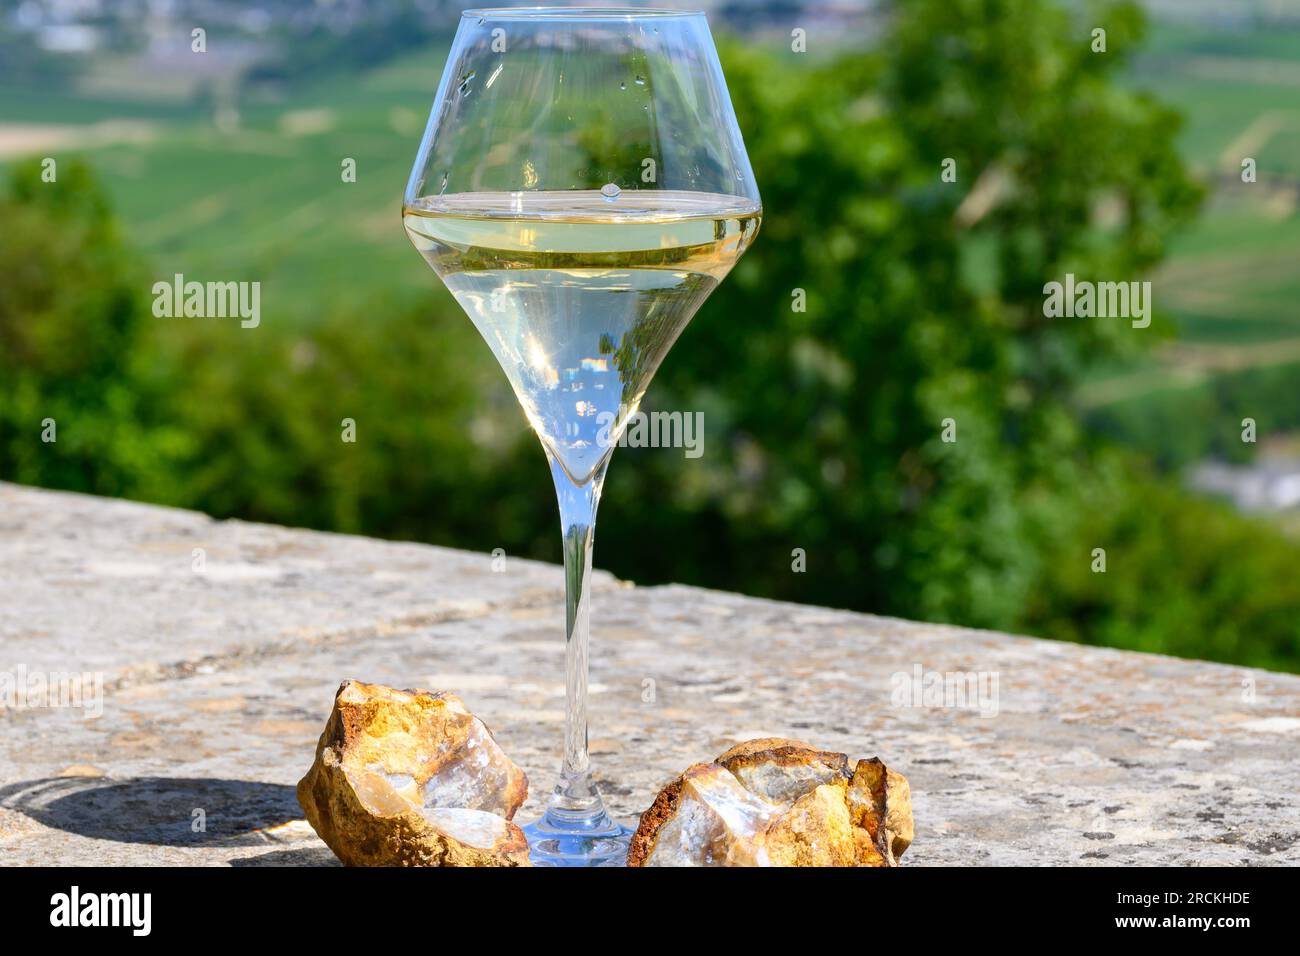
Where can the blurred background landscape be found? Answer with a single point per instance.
(823, 426)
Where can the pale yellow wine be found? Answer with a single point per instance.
(579, 294)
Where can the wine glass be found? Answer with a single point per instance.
(581, 188)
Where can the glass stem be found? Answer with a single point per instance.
(576, 800)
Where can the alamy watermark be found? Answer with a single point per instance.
(208, 300)
(22, 689)
(74, 908)
(683, 430)
(1101, 300)
(954, 690)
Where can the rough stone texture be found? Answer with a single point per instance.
(777, 802)
(412, 778)
(217, 685)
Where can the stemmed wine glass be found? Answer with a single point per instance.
(581, 188)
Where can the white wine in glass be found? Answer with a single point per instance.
(581, 189)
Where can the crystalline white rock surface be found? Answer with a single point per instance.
(716, 816)
(785, 785)
(476, 781)
(402, 783)
(476, 828)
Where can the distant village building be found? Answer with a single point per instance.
(1271, 484)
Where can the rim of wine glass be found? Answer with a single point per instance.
(577, 13)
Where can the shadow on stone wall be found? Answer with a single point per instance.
(168, 811)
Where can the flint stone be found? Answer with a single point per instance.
(777, 802)
(412, 778)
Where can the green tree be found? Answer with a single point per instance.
(70, 334)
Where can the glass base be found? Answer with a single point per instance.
(557, 839)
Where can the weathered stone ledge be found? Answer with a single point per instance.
(217, 682)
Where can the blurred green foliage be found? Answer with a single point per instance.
(823, 427)
(1182, 426)
(1184, 576)
(70, 322)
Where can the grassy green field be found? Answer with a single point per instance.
(267, 200)
(1231, 284)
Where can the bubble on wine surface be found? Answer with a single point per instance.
(610, 192)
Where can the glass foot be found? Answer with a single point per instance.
(556, 840)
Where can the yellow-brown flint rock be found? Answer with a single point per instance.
(412, 778)
(776, 802)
